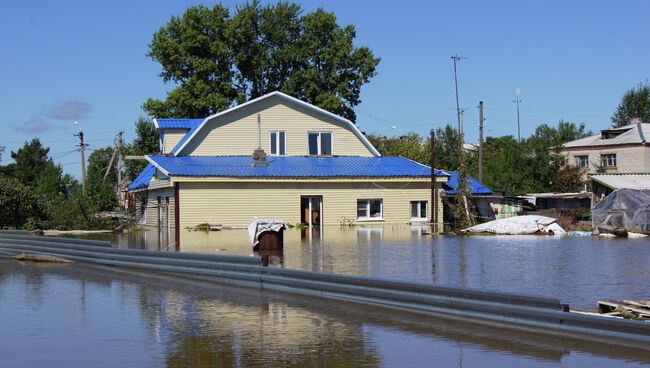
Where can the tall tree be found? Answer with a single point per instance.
(34, 168)
(31, 160)
(634, 104)
(217, 59)
(194, 53)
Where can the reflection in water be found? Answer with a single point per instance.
(134, 319)
(579, 271)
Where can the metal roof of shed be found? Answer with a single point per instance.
(292, 166)
(475, 187)
(616, 181)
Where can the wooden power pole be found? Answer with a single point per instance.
(434, 192)
(480, 141)
(82, 148)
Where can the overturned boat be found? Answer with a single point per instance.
(519, 225)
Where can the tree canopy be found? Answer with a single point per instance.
(635, 103)
(216, 59)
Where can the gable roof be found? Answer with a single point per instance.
(175, 123)
(194, 131)
(630, 134)
(475, 187)
(291, 166)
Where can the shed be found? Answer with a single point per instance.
(604, 184)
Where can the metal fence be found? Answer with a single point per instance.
(503, 309)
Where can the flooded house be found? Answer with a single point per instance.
(278, 157)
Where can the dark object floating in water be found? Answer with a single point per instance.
(40, 258)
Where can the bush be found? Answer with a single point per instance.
(75, 213)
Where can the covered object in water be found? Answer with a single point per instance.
(519, 225)
(266, 234)
(628, 208)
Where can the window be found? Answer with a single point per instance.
(370, 209)
(278, 142)
(320, 144)
(418, 210)
(608, 160)
(582, 161)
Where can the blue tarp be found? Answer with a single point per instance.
(293, 166)
(476, 188)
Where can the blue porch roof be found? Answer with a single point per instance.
(292, 166)
(143, 179)
(475, 187)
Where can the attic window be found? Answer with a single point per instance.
(613, 133)
(320, 144)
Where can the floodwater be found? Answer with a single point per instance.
(89, 316)
(578, 271)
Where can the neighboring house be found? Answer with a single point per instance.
(277, 157)
(618, 150)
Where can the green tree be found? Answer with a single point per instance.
(99, 191)
(31, 160)
(146, 143)
(33, 167)
(634, 104)
(216, 59)
(21, 206)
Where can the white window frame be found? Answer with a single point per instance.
(318, 143)
(578, 160)
(277, 142)
(605, 162)
(367, 216)
(419, 205)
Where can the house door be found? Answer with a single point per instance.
(311, 211)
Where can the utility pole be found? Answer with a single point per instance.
(434, 192)
(457, 58)
(480, 141)
(82, 147)
(517, 101)
(118, 164)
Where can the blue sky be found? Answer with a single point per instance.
(85, 60)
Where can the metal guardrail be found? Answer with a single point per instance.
(503, 309)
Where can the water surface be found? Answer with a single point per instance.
(579, 271)
(90, 316)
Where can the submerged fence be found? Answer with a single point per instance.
(503, 309)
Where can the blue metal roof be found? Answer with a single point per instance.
(293, 166)
(476, 188)
(178, 123)
(144, 178)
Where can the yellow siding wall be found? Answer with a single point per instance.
(171, 137)
(236, 133)
(236, 203)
